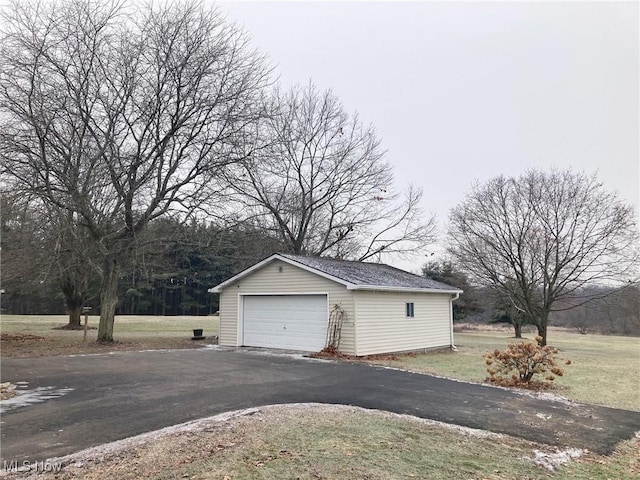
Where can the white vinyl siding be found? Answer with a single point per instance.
(276, 278)
(382, 325)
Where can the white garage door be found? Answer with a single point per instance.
(293, 322)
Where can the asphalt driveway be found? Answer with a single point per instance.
(106, 397)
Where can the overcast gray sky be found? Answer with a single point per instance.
(466, 91)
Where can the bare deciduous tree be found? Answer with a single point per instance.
(71, 255)
(505, 311)
(24, 262)
(40, 246)
(629, 310)
(118, 115)
(610, 311)
(542, 237)
(617, 313)
(316, 178)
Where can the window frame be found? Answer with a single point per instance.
(409, 310)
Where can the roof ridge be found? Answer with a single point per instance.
(359, 262)
(315, 262)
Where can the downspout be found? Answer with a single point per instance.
(452, 344)
(355, 323)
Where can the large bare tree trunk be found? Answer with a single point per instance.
(517, 326)
(108, 300)
(74, 318)
(541, 324)
(74, 297)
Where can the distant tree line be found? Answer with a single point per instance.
(173, 265)
(610, 312)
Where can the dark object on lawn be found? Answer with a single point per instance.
(197, 334)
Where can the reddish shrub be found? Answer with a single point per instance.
(520, 362)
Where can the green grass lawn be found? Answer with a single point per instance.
(129, 333)
(125, 326)
(605, 370)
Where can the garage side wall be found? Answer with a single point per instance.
(382, 325)
(282, 278)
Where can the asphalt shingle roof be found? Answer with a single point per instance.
(365, 273)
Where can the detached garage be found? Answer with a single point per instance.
(289, 301)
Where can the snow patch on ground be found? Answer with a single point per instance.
(551, 397)
(275, 353)
(434, 375)
(281, 353)
(551, 461)
(121, 352)
(29, 397)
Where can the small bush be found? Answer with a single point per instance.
(517, 365)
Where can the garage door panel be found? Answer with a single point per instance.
(295, 322)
